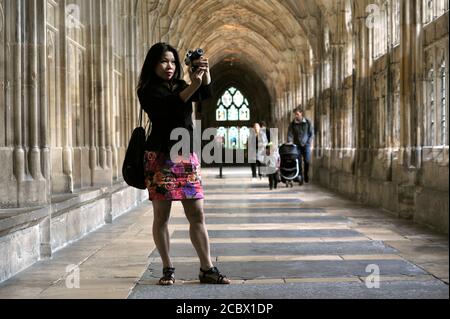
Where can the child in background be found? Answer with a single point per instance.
(272, 161)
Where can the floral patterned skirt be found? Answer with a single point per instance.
(169, 180)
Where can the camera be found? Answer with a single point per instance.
(191, 56)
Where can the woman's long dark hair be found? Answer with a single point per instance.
(148, 75)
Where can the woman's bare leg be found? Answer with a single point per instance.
(198, 232)
(161, 215)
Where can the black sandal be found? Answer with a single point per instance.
(213, 276)
(169, 277)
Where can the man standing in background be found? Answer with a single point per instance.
(301, 133)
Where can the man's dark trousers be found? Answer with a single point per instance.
(305, 159)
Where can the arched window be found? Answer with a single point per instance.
(396, 11)
(433, 9)
(432, 110)
(233, 107)
(436, 111)
(443, 78)
(380, 30)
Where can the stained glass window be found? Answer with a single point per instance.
(233, 114)
(222, 131)
(244, 134)
(234, 107)
(221, 114)
(233, 136)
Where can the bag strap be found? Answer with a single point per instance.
(148, 126)
(140, 117)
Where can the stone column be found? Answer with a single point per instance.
(101, 172)
(34, 159)
(26, 185)
(45, 225)
(316, 79)
(19, 153)
(408, 81)
(8, 96)
(125, 113)
(362, 79)
(408, 109)
(3, 80)
(67, 151)
(131, 73)
(107, 95)
(131, 61)
(44, 131)
(418, 45)
(102, 78)
(91, 57)
(107, 36)
(98, 66)
(113, 90)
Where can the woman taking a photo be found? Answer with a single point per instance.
(167, 100)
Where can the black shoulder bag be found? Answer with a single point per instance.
(133, 164)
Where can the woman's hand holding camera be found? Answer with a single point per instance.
(201, 73)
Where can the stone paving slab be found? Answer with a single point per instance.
(271, 226)
(249, 192)
(266, 220)
(239, 187)
(291, 269)
(307, 233)
(433, 289)
(278, 240)
(268, 210)
(262, 215)
(253, 249)
(224, 259)
(237, 201)
(95, 288)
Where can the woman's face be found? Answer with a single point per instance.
(166, 67)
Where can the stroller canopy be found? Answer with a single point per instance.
(289, 150)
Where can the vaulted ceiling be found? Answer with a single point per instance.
(277, 39)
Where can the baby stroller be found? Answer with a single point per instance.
(289, 166)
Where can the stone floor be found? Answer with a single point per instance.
(296, 243)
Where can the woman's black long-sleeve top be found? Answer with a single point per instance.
(167, 111)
